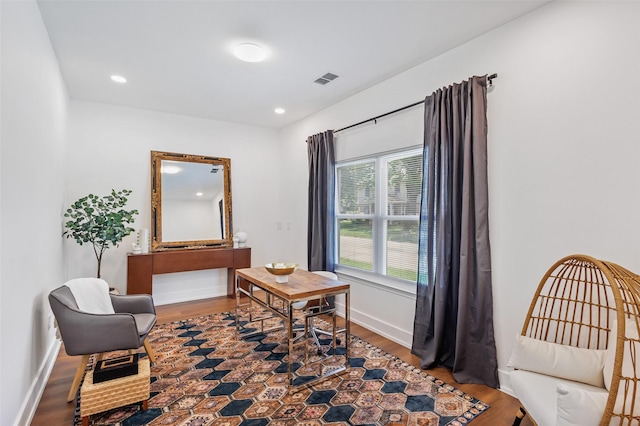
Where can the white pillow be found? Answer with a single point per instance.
(563, 361)
(578, 406)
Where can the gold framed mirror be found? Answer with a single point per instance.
(190, 201)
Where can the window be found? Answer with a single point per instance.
(378, 212)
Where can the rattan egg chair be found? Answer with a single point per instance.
(581, 301)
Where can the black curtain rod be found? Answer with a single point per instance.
(490, 78)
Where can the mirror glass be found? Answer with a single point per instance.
(190, 201)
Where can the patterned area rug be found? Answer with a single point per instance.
(204, 375)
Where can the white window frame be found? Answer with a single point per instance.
(378, 276)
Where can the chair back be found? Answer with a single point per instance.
(64, 298)
(302, 305)
(326, 274)
(588, 303)
(64, 306)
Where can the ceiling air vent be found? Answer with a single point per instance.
(328, 77)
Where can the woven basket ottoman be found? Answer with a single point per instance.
(98, 397)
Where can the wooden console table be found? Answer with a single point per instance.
(141, 267)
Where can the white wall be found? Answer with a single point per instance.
(563, 171)
(564, 157)
(33, 117)
(109, 147)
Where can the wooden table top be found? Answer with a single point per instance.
(302, 284)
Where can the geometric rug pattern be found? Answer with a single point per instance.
(204, 375)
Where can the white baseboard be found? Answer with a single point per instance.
(505, 386)
(391, 332)
(30, 403)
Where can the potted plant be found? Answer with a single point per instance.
(101, 221)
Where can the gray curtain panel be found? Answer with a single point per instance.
(321, 199)
(453, 325)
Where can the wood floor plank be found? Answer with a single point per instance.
(54, 410)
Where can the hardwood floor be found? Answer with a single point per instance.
(54, 410)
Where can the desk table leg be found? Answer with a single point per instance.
(334, 330)
(237, 309)
(290, 354)
(347, 327)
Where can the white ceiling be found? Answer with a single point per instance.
(177, 56)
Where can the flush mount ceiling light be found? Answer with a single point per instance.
(250, 52)
(170, 170)
(118, 79)
(279, 110)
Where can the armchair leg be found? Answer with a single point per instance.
(78, 377)
(519, 416)
(147, 347)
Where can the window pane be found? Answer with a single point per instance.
(356, 186)
(356, 243)
(404, 184)
(371, 196)
(402, 249)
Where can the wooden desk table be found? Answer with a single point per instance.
(279, 298)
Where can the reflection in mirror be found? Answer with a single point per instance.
(191, 201)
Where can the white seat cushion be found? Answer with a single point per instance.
(539, 396)
(578, 406)
(299, 305)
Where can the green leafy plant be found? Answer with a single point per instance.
(101, 221)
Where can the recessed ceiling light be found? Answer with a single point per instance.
(118, 79)
(250, 52)
(199, 194)
(279, 110)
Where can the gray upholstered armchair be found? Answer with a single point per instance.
(123, 322)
